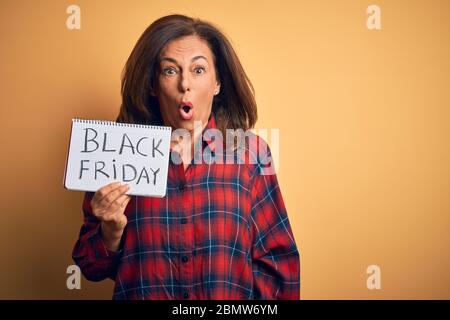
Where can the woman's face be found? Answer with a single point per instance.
(187, 82)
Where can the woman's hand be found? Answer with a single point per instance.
(108, 205)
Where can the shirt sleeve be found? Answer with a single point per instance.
(275, 258)
(90, 253)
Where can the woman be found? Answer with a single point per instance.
(221, 231)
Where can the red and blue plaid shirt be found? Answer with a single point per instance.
(221, 232)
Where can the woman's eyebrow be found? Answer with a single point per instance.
(198, 57)
(175, 61)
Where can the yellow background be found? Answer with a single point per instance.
(363, 118)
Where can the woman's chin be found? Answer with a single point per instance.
(188, 125)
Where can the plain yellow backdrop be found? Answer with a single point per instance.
(363, 118)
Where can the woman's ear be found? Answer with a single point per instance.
(217, 90)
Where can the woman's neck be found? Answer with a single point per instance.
(185, 147)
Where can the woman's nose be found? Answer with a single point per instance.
(185, 82)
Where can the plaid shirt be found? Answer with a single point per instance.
(221, 232)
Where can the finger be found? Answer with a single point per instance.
(112, 191)
(113, 195)
(119, 204)
(117, 213)
(103, 191)
(125, 202)
(111, 198)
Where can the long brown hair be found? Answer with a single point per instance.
(234, 107)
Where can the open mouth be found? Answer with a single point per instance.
(186, 110)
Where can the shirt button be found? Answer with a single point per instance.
(183, 220)
(181, 186)
(184, 259)
(186, 295)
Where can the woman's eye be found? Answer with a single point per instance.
(199, 70)
(169, 71)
